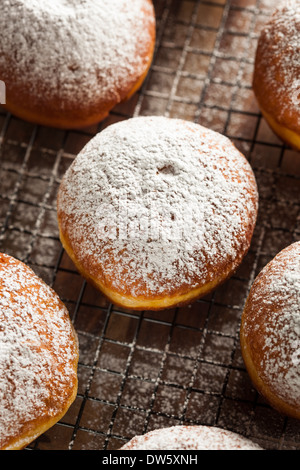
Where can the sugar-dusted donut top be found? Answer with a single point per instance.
(278, 64)
(153, 204)
(74, 49)
(38, 351)
(190, 438)
(272, 324)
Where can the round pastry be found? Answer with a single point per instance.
(276, 81)
(39, 355)
(67, 63)
(190, 438)
(157, 212)
(270, 332)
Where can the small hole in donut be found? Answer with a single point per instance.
(73, 67)
(167, 170)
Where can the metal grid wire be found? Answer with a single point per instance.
(144, 370)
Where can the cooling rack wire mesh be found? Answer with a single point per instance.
(143, 370)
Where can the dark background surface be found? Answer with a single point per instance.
(141, 371)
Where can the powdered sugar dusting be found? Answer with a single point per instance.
(191, 438)
(275, 315)
(279, 50)
(74, 49)
(154, 204)
(38, 350)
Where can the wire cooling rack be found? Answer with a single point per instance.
(143, 370)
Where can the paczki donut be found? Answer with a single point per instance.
(157, 212)
(67, 63)
(190, 438)
(270, 332)
(38, 356)
(276, 78)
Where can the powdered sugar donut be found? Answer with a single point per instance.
(156, 212)
(270, 332)
(276, 79)
(190, 438)
(38, 356)
(67, 63)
